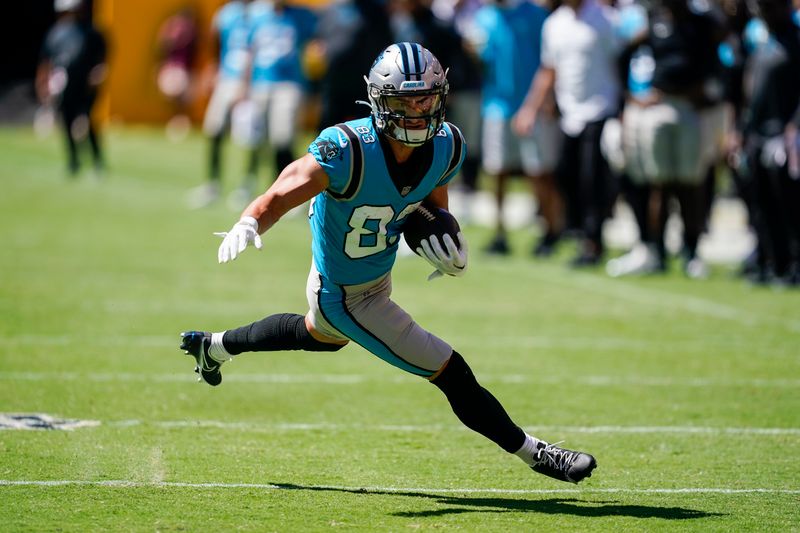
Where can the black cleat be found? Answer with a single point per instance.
(563, 464)
(546, 245)
(498, 246)
(196, 343)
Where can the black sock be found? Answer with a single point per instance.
(476, 407)
(286, 331)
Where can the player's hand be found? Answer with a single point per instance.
(450, 259)
(524, 121)
(236, 240)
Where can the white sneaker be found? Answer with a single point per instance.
(239, 198)
(202, 196)
(696, 269)
(640, 260)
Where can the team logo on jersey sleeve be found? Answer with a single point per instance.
(328, 150)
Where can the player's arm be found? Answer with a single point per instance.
(41, 83)
(300, 181)
(543, 82)
(440, 197)
(99, 71)
(43, 71)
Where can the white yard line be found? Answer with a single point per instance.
(39, 421)
(117, 340)
(433, 428)
(571, 342)
(649, 297)
(350, 379)
(411, 491)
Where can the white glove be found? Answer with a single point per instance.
(236, 240)
(452, 262)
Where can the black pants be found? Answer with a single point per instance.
(586, 182)
(71, 109)
(777, 215)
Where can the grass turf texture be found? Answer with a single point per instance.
(686, 392)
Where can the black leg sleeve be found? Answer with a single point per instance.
(215, 157)
(476, 407)
(280, 332)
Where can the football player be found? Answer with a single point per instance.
(231, 31)
(279, 34)
(70, 73)
(507, 38)
(364, 177)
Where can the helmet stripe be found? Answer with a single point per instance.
(404, 56)
(417, 61)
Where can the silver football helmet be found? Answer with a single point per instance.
(407, 88)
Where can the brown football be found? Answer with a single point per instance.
(429, 220)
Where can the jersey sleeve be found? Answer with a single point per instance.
(333, 151)
(459, 153)
(547, 57)
(481, 33)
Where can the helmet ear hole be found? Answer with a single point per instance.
(407, 70)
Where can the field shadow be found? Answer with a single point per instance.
(567, 506)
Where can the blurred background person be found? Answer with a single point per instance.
(280, 33)
(415, 21)
(177, 48)
(350, 35)
(508, 42)
(766, 142)
(635, 65)
(466, 97)
(667, 154)
(579, 61)
(230, 35)
(70, 73)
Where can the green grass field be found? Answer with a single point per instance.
(688, 393)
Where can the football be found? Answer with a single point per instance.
(427, 220)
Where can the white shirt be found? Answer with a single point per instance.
(582, 48)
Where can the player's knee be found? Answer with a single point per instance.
(313, 343)
(455, 374)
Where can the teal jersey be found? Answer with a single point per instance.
(277, 42)
(356, 222)
(509, 45)
(234, 32)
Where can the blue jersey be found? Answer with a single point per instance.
(277, 40)
(756, 33)
(509, 44)
(356, 221)
(632, 20)
(231, 24)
